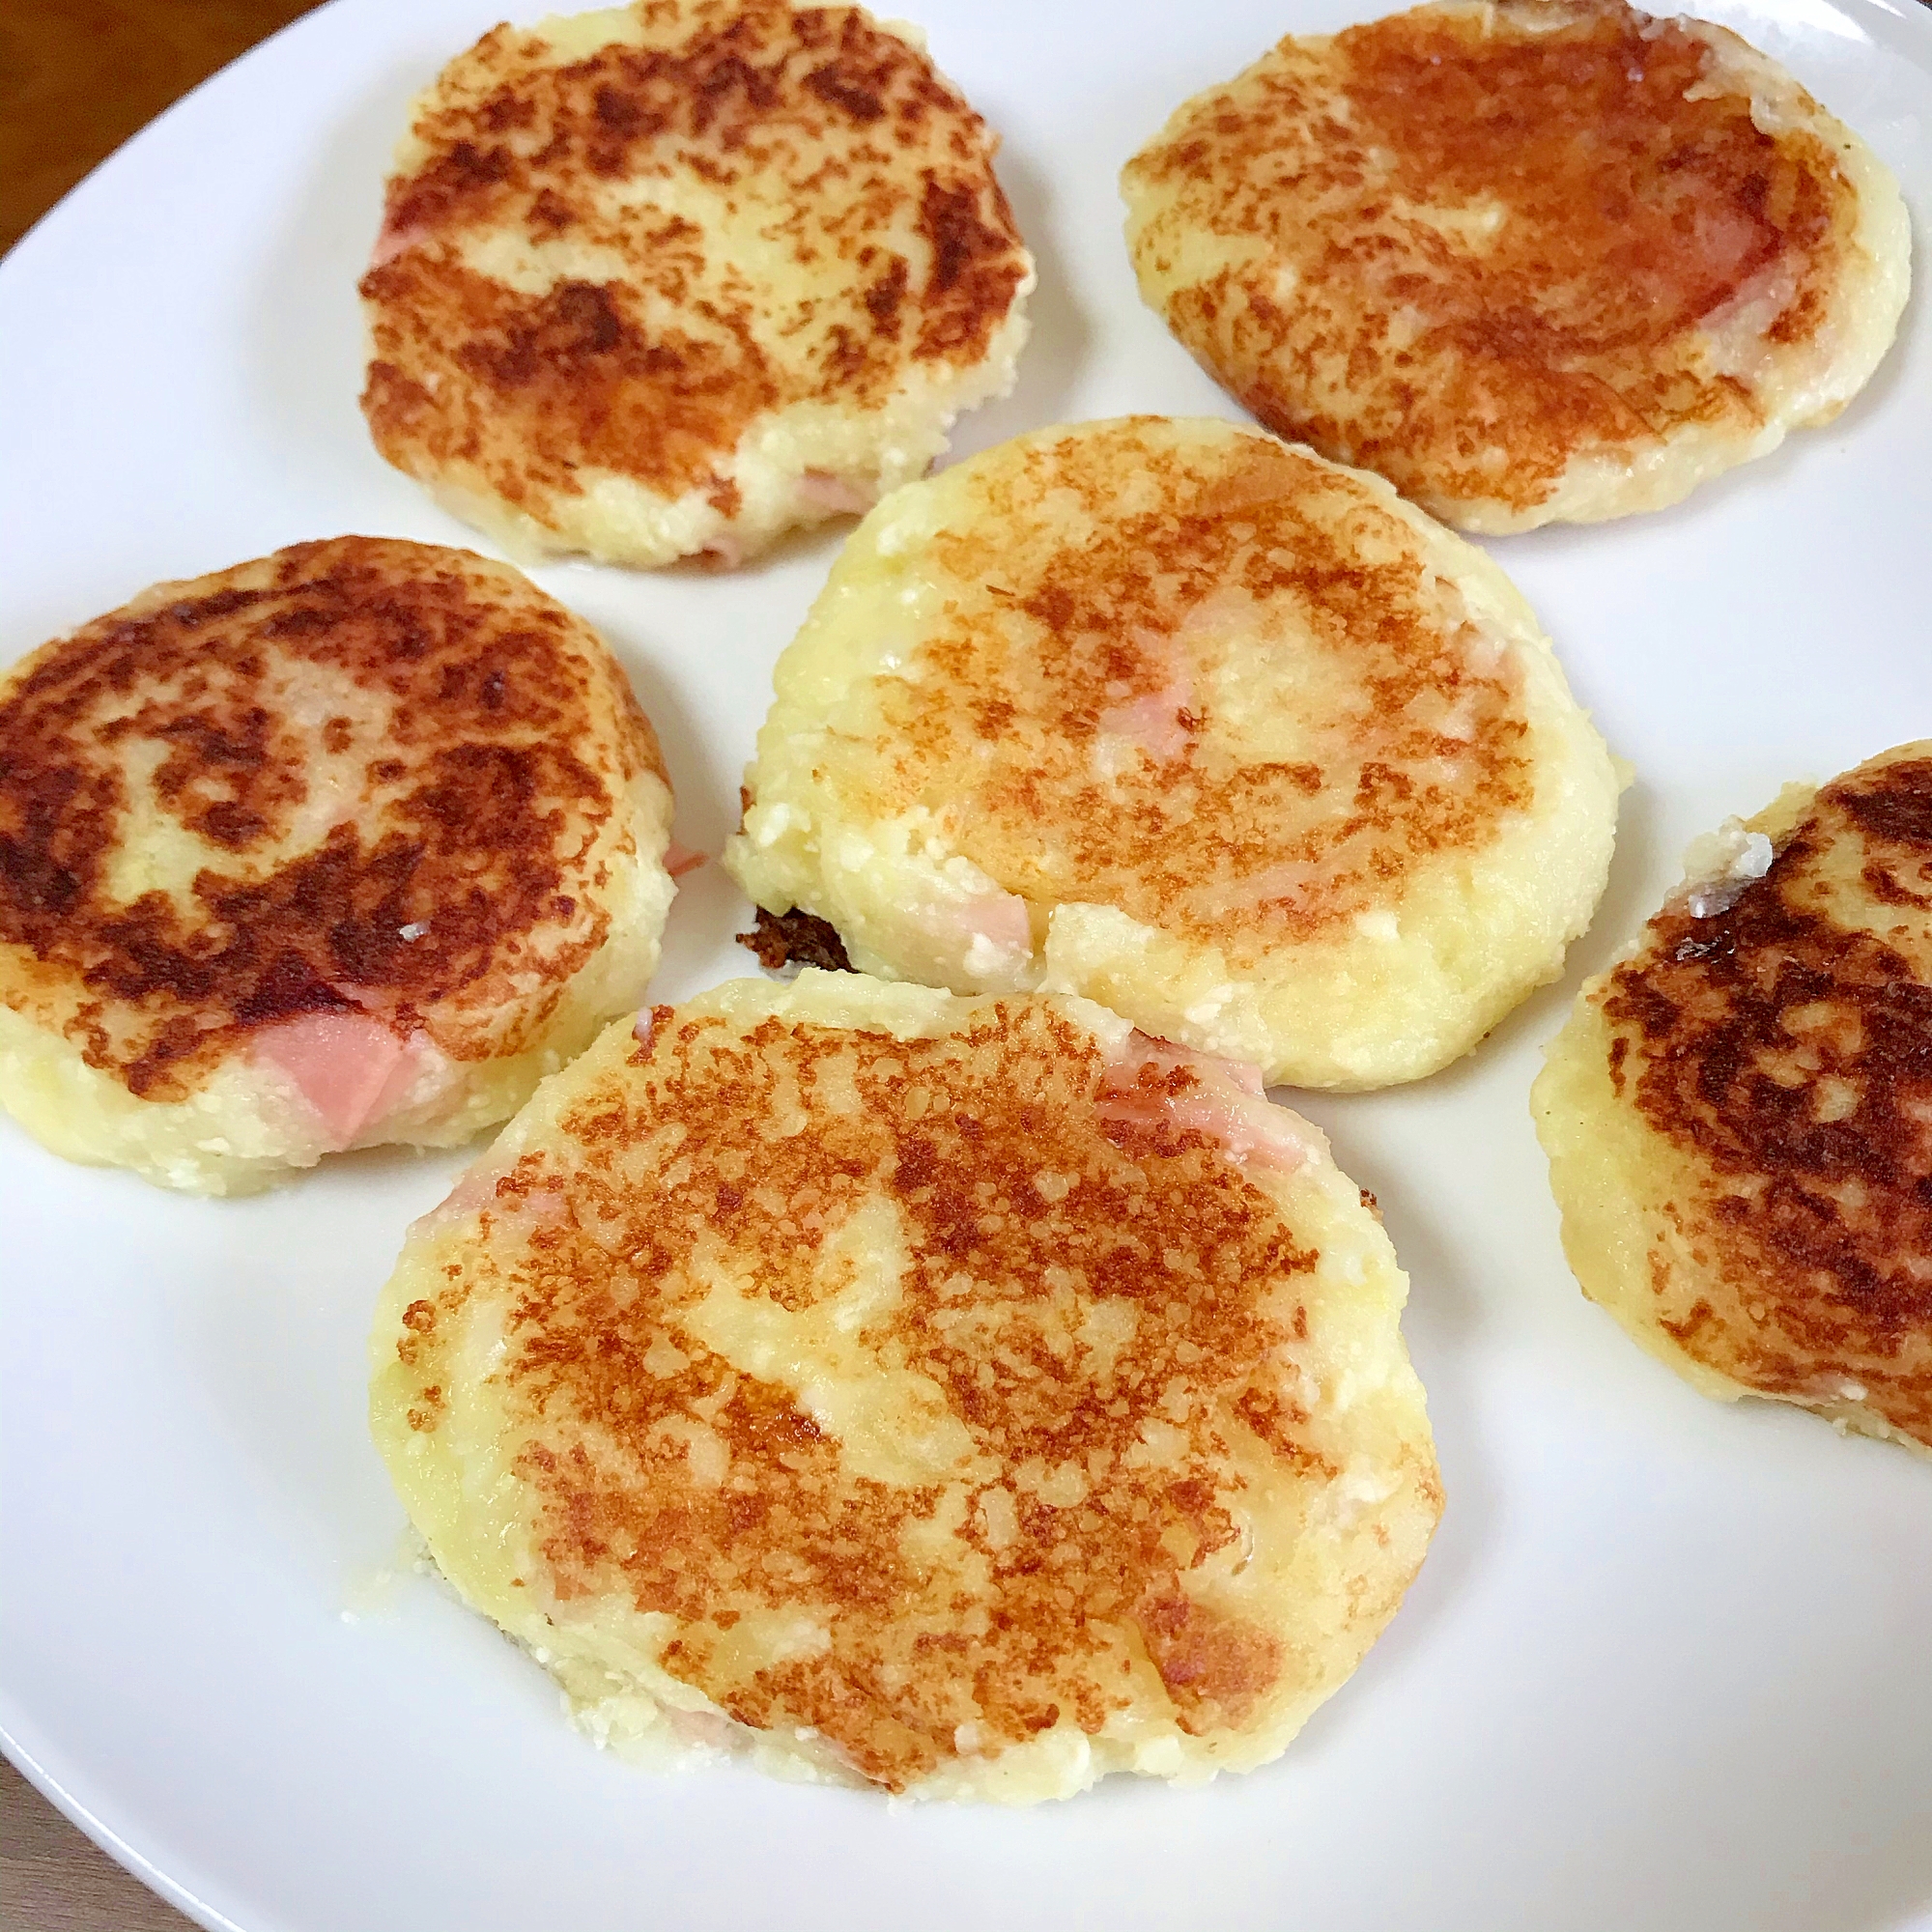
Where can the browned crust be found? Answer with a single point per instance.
(817, 115)
(1637, 204)
(992, 1149)
(795, 939)
(1244, 854)
(1785, 1055)
(513, 738)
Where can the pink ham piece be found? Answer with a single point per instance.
(474, 1188)
(999, 920)
(351, 1069)
(482, 1186)
(678, 860)
(1153, 723)
(708, 1730)
(394, 240)
(821, 489)
(1154, 1082)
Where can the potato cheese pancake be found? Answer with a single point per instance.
(1177, 718)
(966, 1397)
(345, 846)
(680, 276)
(1532, 260)
(1739, 1116)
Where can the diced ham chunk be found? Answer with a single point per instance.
(1155, 1083)
(993, 934)
(821, 489)
(710, 1730)
(1153, 723)
(396, 239)
(350, 1069)
(482, 1186)
(680, 860)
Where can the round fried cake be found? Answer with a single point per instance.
(1177, 718)
(680, 276)
(1739, 1116)
(345, 846)
(1534, 260)
(968, 1397)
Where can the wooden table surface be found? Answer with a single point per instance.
(76, 78)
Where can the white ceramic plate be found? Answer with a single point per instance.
(1667, 1665)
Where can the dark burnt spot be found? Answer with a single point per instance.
(1791, 1052)
(883, 299)
(616, 111)
(833, 85)
(466, 838)
(463, 173)
(195, 611)
(1895, 805)
(974, 273)
(572, 325)
(949, 220)
(796, 938)
(550, 215)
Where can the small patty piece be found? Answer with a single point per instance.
(969, 1396)
(346, 846)
(683, 275)
(1534, 261)
(1739, 1116)
(795, 939)
(1177, 718)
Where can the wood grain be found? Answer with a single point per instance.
(53, 1880)
(76, 78)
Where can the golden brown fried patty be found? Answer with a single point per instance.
(1167, 714)
(1536, 260)
(679, 276)
(1739, 1116)
(348, 844)
(969, 1396)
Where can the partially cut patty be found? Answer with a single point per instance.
(345, 846)
(1739, 1116)
(1173, 716)
(1534, 260)
(967, 1397)
(679, 276)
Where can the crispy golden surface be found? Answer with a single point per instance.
(358, 776)
(1542, 258)
(1227, 693)
(617, 246)
(1422, 757)
(889, 1389)
(1769, 1068)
